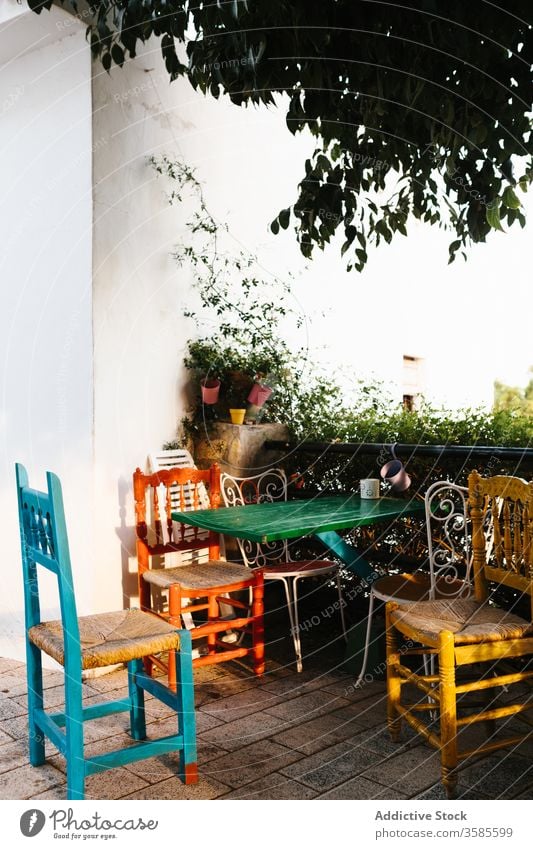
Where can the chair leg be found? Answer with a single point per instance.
(213, 613)
(297, 643)
(240, 638)
(188, 766)
(258, 628)
(34, 674)
(362, 671)
(137, 714)
(74, 738)
(294, 627)
(394, 681)
(174, 618)
(341, 608)
(448, 713)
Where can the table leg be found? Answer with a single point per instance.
(356, 563)
(350, 556)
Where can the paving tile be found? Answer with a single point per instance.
(241, 732)
(167, 725)
(54, 697)
(346, 688)
(105, 683)
(173, 788)
(368, 713)
(307, 706)
(27, 781)
(500, 776)
(304, 682)
(241, 704)
(113, 784)
(155, 770)
(274, 786)
(57, 794)
(409, 772)
(7, 665)
(16, 728)
(250, 763)
(361, 788)
(105, 785)
(525, 794)
(13, 683)
(332, 766)
(437, 792)
(319, 733)
(378, 739)
(4, 738)
(220, 688)
(13, 755)
(96, 747)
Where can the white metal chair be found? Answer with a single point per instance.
(274, 558)
(448, 556)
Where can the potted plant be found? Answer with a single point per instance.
(237, 390)
(210, 388)
(260, 392)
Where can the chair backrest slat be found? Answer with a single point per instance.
(44, 542)
(510, 501)
(181, 487)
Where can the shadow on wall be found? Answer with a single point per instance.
(127, 536)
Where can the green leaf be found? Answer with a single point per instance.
(284, 218)
(117, 55)
(510, 200)
(492, 215)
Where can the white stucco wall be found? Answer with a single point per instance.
(408, 301)
(45, 294)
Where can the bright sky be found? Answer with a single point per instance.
(471, 322)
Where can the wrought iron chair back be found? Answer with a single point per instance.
(448, 534)
(266, 487)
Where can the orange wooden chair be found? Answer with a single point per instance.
(193, 586)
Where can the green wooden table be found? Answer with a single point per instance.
(319, 517)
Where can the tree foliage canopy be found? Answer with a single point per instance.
(419, 108)
(514, 398)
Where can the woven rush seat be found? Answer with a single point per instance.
(214, 573)
(299, 566)
(415, 587)
(469, 621)
(108, 638)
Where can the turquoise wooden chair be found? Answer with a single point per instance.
(87, 642)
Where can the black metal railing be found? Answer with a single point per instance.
(518, 455)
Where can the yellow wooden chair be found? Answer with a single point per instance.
(461, 632)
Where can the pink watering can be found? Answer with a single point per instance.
(394, 473)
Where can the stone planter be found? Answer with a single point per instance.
(239, 448)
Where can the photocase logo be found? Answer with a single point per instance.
(32, 822)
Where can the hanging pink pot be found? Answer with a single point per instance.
(259, 393)
(394, 473)
(210, 387)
